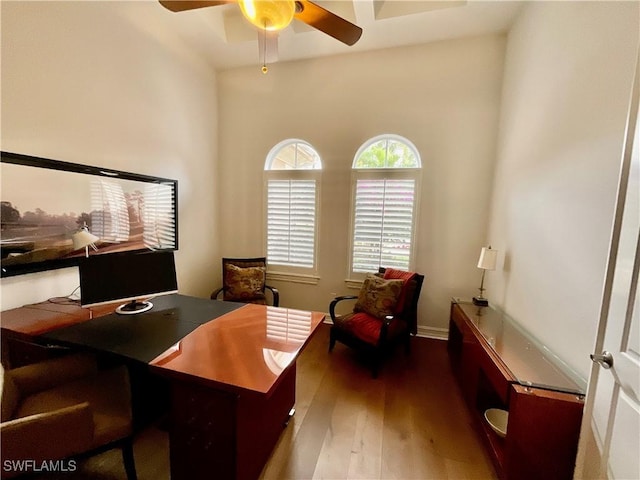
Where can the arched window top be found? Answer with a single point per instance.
(293, 154)
(387, 151)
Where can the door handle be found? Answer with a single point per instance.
(605, 359)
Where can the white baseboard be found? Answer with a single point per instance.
(433, 332)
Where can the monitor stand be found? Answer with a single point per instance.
(134, 307)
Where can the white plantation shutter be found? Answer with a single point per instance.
(383, 224)
(292, 171)
(158, 217)
(291, 222)
(386, 174)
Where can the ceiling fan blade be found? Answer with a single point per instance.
(327, 22)
(182, 5)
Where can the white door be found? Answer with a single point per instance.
(610, 437)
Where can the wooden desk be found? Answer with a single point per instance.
(499, 366)
(22, 326)
(232, 389)
(232, 379)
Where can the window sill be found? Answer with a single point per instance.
(353, 283)
(293, 278)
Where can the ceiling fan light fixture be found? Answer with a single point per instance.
(271, 15)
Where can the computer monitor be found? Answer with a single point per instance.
(127, 277)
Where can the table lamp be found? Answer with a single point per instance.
(487, 261)
(83, 238)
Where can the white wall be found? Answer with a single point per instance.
(444, 97)
(90, 82)
(101, 83)
(568, 75)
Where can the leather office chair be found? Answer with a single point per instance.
(243, 280)
(384, 314)
(64, 408)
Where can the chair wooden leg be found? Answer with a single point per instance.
(127, 457)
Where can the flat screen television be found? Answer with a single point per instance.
(127, 277)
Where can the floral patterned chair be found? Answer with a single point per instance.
(385, 313)
(243, 280)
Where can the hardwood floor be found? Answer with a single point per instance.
(409, 423)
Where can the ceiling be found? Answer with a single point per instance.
(226, 40)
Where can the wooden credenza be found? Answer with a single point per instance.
(498, 365)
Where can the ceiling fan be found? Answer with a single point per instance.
(274, 15)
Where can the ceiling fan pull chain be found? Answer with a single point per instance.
(265, 69)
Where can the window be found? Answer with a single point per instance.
(386, 173)
(292, 170)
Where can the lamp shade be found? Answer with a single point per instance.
(271, 15)
(83, 238)
(488, 257)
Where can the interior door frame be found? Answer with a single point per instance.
(585, 457)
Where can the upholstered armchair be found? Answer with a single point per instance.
(244, 280)
(64, 408)
(384, 314)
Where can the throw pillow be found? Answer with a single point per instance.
(409, 285)
(244, 284)
(378, 297)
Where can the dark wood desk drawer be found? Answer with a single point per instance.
(17, 352)
(202, 432)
